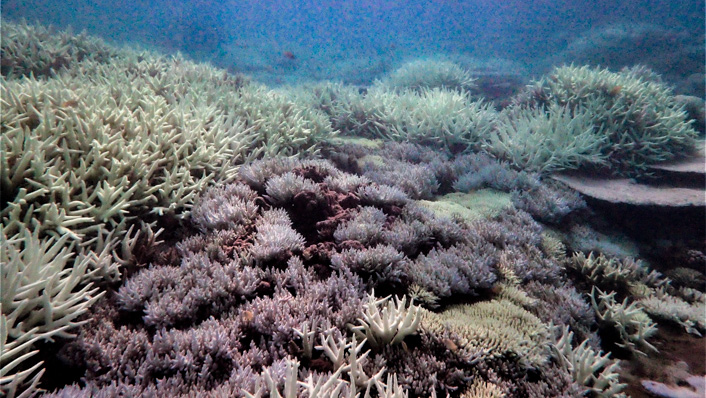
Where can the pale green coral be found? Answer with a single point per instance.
(547, 140)
(633, 325)
(664, 307)
(642, 122)
(553, 247)
(483, 389)
(497, 329)
(472, 206)
(431, 116)
(588, 368)
(436, 116)
(429, 73)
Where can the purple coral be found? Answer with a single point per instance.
(282, 189)
(417, 181)
(365, 227)
(456, 270)
(275, 238)
(381, 195)
(230, 206)
(231, 299)
(379, 264)
(199, 287)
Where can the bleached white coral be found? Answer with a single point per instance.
(546, 141)
(631, 322)
(429, 73)
(390, 325)
(43, 295)
(325, 386)
(673, 309)
(597, 372)
(613, 272)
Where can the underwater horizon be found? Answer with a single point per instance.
(356, 43)
(465, 199)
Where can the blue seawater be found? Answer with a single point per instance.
(358, 41)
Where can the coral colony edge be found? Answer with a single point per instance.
(173, 230)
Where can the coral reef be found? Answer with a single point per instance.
(40, 51)
(427, 73)
(547, 140)
(94, 152)
(640, 118)
(169, 229)
(247, 295)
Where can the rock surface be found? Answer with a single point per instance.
(623, 190)
(680, 183)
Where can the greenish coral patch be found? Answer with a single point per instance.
(360, 141)
(475, 205)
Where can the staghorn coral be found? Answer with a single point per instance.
(438, 117)
(227, 207)
(458, 270)
(563, 305)
(331, 385)
(588, 367)
(167, 296)
(40, 51)
(228, 302)
(633, 325)
(528, 264)
(256, 173)
(275, 239)
(365, 227)
(440, 228)
(483, 389)
(98, 143)
(613, 273)
(667, 308)
(345, 183)
(417, 181)
(547, 140)
(639, 117)
(112, 120)
(45, 291)
(414, 153)
(480, 171)
(407, 236)
(547, 202)
(389, 326)
(553, 247)
(382, 195)
(377, 265)
(429, 73)
(282, 189)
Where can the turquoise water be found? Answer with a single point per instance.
(360, 41)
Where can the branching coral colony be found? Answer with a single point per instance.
(307, 277)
